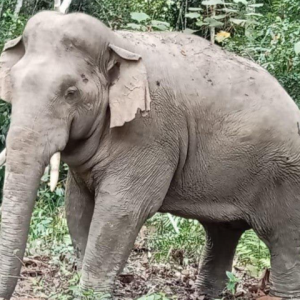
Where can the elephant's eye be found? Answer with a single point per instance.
(71, 93)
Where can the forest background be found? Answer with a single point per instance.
(264, 31)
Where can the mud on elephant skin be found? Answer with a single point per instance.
(148, 122)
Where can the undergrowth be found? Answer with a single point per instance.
(181, 245)
(185, 246)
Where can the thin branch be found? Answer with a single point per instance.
(1, 8)
(18, 8)
(179, 16)
(186, 10)
(35, 6)
(213, 28)
(248, 25)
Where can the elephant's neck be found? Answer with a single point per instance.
(79, 154)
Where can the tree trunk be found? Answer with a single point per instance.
(248, 27)
(65, 6)
(62, 7)
(212, 28)
(57, 4)
(1, 8)
(18, 8)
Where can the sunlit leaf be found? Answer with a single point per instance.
(222, 35)
(219, 17)
(189, 31)
(229, 10)
(256, 5)
(160, 25)
(133, 26)
(195, 9)
(192, 15)
(238, 21)
(201, 23)
(213, 23)
(139, 16)
(254, 14)
(212, 2)
(241, 1)
(297, 48)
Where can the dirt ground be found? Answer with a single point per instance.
(41, 278)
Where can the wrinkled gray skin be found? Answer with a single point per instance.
(220, 144)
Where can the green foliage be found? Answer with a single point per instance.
(154, 297)
(232, 282)
(226, 16)
(252, 253)
(48, 231)
(139, 17)
(5, 110)
(11, 26)
(273, 42)
(117, 14)
(144, 23)
(166, 243)
(186, 246)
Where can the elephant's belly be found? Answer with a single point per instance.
(220, 203)
(203, 211)
(216, 186)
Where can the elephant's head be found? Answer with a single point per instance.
(67, 78)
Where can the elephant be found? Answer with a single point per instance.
(148, 122)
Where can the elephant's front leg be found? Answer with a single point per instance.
(79, 212)
(121, 208)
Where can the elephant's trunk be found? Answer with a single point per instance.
(24, 167)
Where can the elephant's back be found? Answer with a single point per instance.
(212, 86)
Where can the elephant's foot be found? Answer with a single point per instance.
(210, 289)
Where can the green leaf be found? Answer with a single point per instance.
(241, 1)
(254, 14)
(238, 21)
(201, 23)
(297, 48)
(219, 17)
(189, 31)
(213, 23)
(195, 9)
(231, 286)
(192, 15)
(212, 2)
(160, 25)
(139, 16)
(133, 26)
(229, 10)
(256, 5)
(230, 276)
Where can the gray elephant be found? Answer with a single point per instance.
(148, 122)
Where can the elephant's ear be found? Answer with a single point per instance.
(129, 90)
(12, 52)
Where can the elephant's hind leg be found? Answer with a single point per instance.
(280, 230)
(79, 212)
(221, 242)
